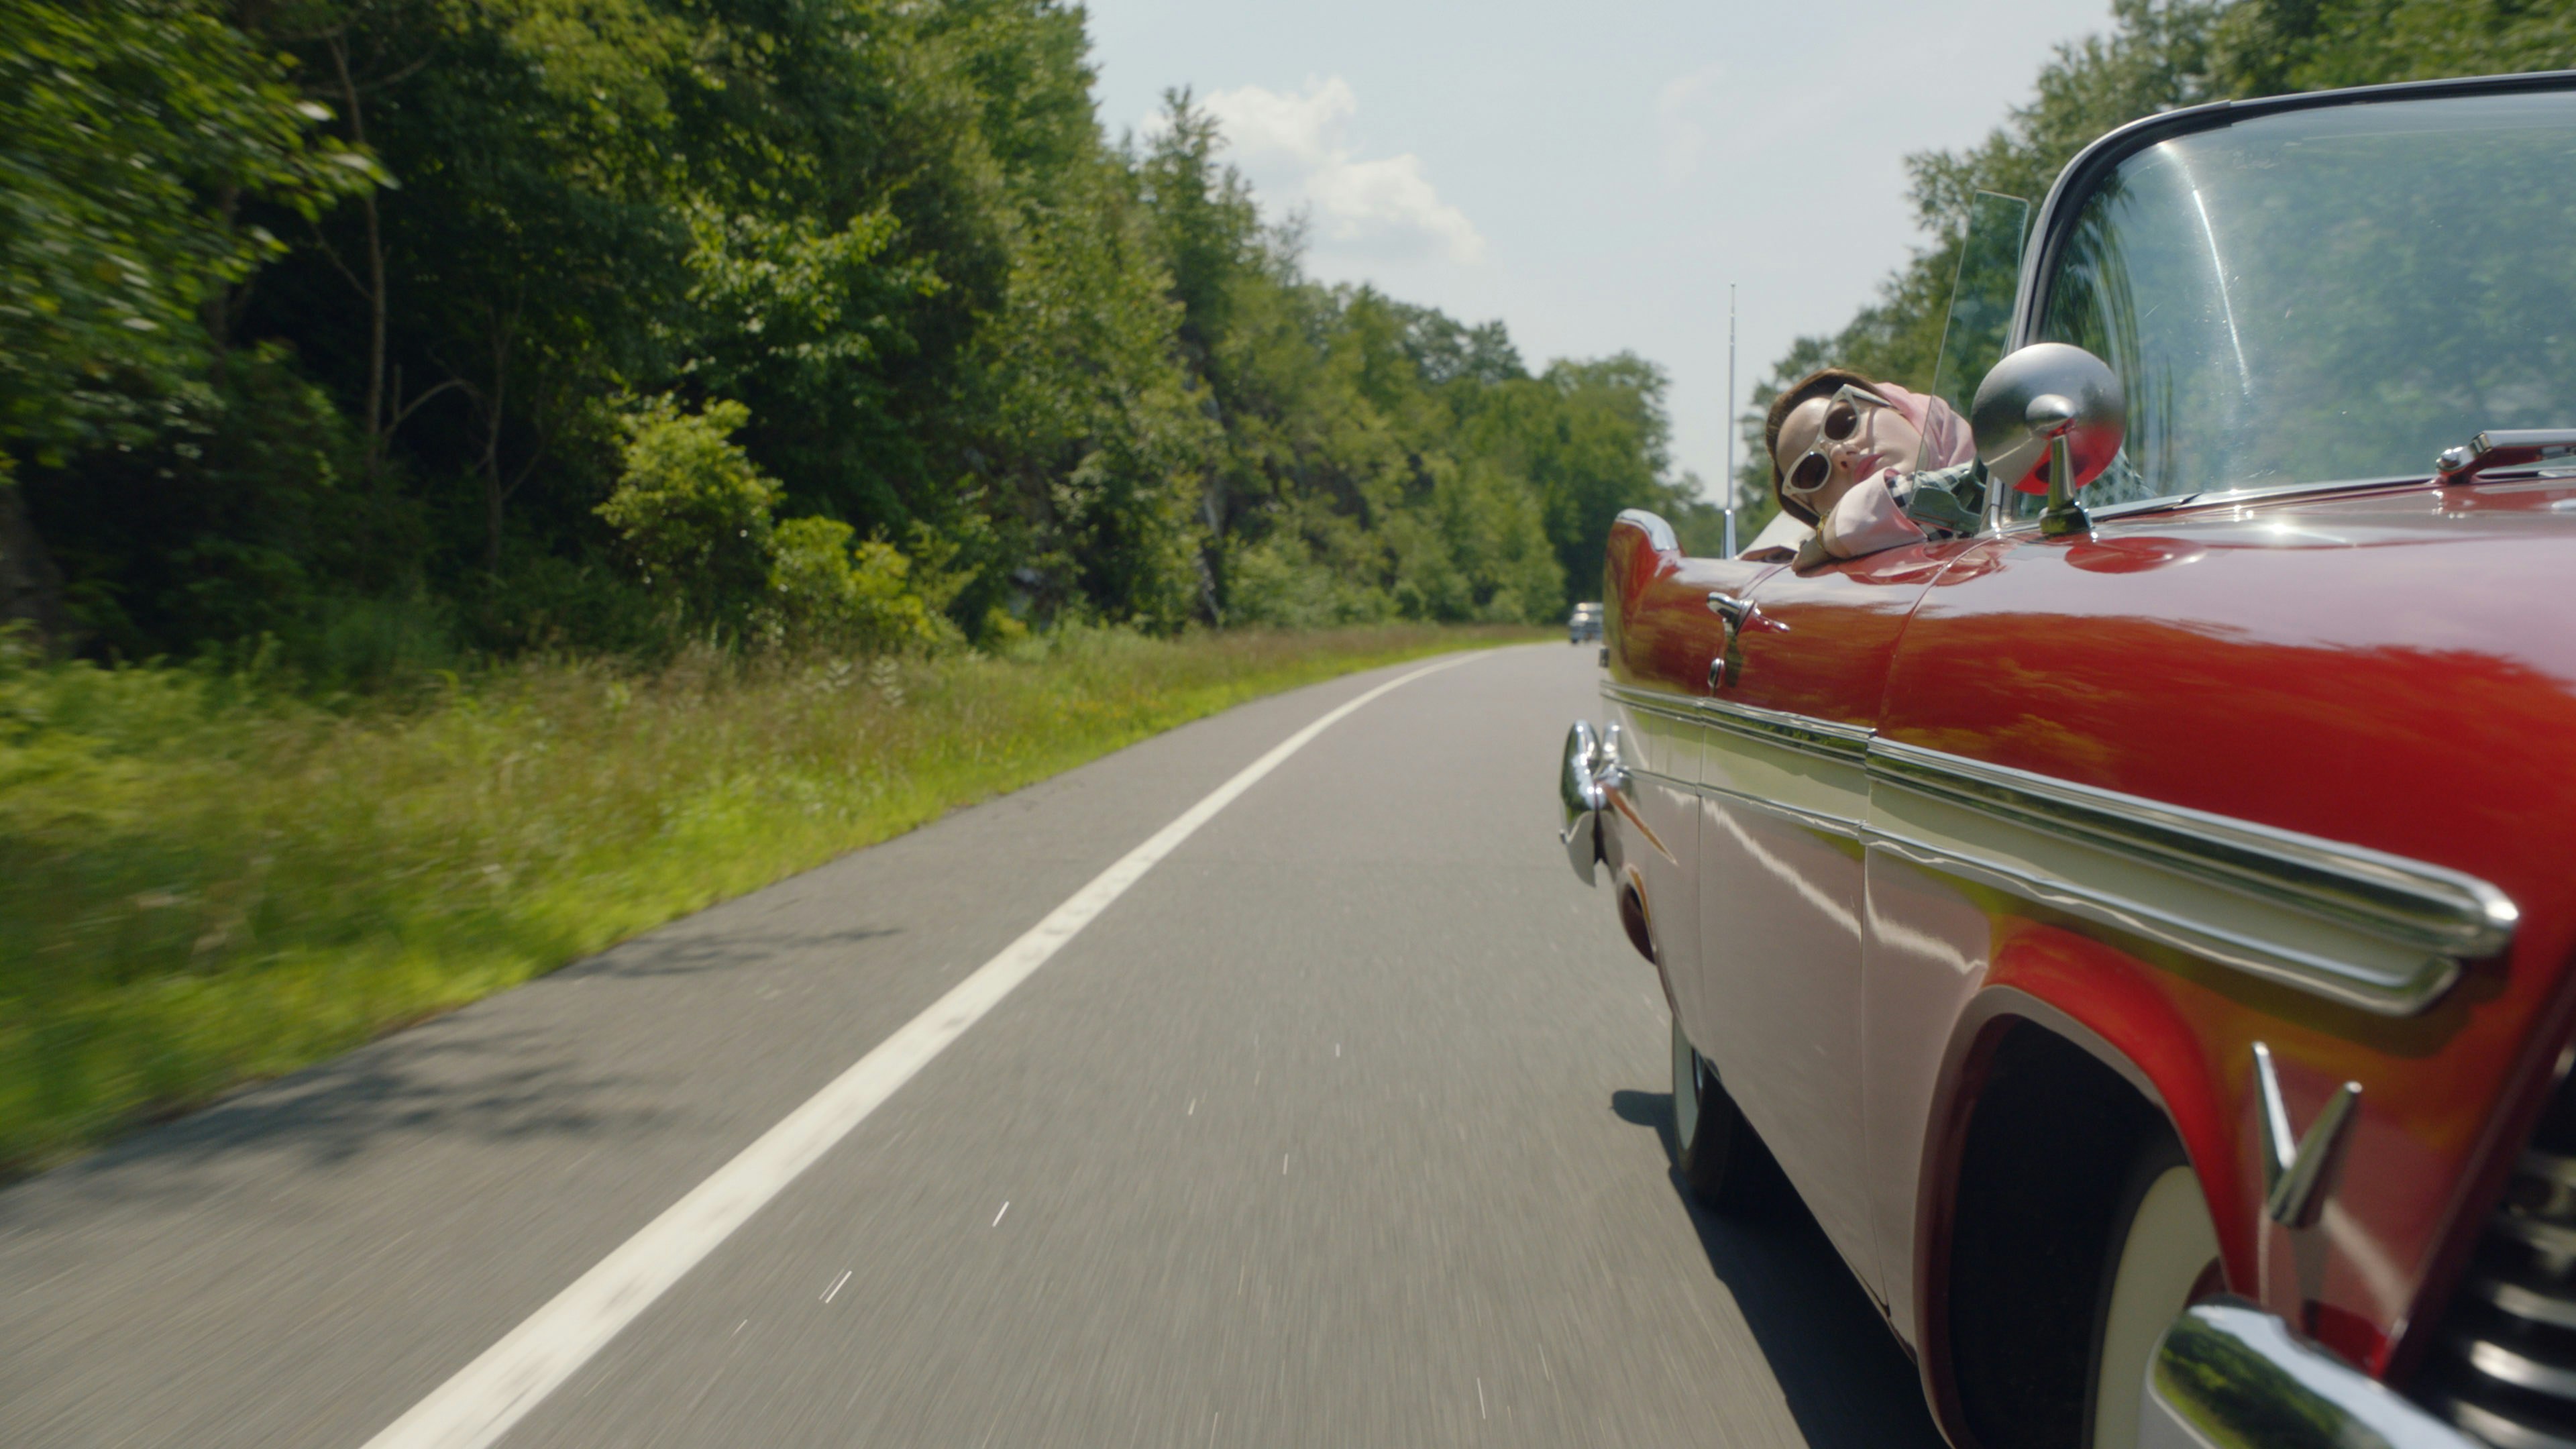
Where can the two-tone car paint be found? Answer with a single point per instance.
(2213, 779)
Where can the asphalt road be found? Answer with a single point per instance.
(1346, 1125)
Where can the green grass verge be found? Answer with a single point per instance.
(202, 885)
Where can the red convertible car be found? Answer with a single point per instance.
(2138, 918)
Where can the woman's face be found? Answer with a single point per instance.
(1854, 434)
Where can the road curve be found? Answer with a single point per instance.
(1346, 1124)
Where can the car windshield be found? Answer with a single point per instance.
(2329, 294)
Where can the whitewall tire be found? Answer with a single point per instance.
(2163, 1249)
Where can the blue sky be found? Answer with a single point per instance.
(1595, 176)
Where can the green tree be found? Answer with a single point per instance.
(132, 133)
(693, 512)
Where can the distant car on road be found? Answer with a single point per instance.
(2143, 929)
(1584, 624)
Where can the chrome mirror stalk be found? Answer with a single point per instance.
(2053, 414)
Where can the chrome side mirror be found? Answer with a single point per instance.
(2051, 414)
(1580, 795)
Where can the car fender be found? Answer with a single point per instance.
(2096, 998)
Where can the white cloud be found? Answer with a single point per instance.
(1263, 126)
(1294, 149)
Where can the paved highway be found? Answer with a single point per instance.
(1346, 1124)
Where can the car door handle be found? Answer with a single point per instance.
(1741, 613)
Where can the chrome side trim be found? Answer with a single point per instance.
(1680, 708)
(1658, 532)
(2389, 995)
(1847, 744)
(1659, 777)
(2390, 934)
(2227, 1372)
(1812, 819)
(2422, 906)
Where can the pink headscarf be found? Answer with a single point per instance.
(1946, 439)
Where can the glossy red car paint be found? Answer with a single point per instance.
(2372, 667)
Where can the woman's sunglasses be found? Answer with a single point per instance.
(1842, 422)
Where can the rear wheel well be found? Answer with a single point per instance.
(2041, 1170)
(1632, 919)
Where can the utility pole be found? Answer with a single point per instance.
(1730, 420)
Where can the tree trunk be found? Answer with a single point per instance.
(374, 414)
(504, 331)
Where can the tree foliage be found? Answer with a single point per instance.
(492, 310)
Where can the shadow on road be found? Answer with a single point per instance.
(719, 940)
(436, 1080)
(457, 1075)
(1847, 1381)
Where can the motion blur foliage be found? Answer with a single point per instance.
(207, 878)
(2157, 56)
(331, 321)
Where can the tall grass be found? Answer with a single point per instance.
(204, 883)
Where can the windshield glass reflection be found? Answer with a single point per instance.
(2329, 294)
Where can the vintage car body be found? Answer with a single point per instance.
(2244, 816)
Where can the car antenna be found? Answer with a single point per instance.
(1730, 420)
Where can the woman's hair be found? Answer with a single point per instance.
(1823, 382)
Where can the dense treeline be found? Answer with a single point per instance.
(380, 329)
(2158, 55)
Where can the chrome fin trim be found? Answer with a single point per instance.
(2419, 923)
(2422, 906)
(2383, 994)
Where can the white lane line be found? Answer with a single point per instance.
(997, 1217)
(835, 1290)
(476, 1407)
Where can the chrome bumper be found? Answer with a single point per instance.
(2228, 1375)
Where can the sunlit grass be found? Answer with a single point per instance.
(203, 884)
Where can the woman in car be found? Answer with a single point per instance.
(1843, 451)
